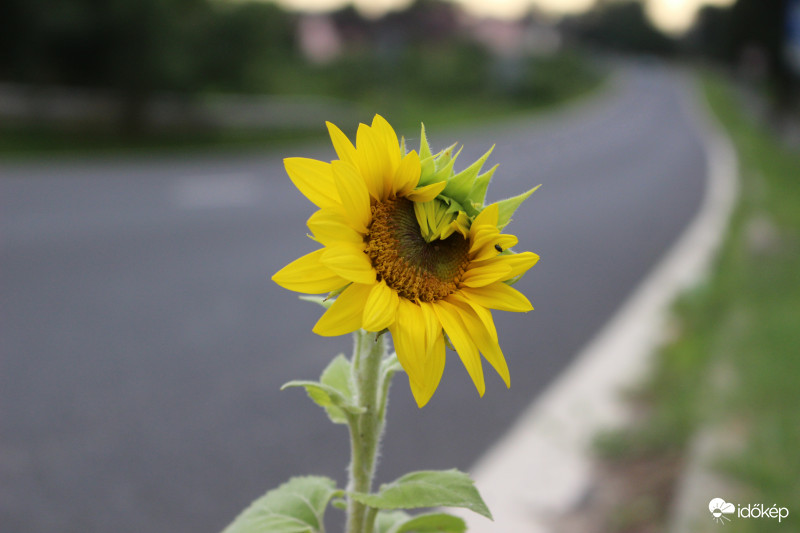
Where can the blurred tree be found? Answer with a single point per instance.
(751, 36)
(621, 26)
(242, 45)
(710, 36)
(756, 23)
(138, 47)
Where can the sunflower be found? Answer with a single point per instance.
(408, 246)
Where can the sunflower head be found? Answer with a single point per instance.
(409, 245)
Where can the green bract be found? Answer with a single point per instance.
(465, 191)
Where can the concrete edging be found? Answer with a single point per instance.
(542, 468)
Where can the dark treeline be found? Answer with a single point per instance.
(188, 45)
(168, 44)
(750, 37)
(136, 48)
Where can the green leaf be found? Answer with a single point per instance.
(447, 488)
(388, 522)
(297, 506)
(333, 392)
(435, 522)
(337, 376)
(507, 207)
(401, 522)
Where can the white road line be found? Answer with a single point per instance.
(542, 468)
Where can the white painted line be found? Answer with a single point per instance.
(542, 468)
(223, 190)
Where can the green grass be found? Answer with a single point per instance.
(735, 361)
(760, 292)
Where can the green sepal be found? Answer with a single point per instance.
(507, 207)
(424, 147)
(478, 193)
(426, 160)
(444, 163)
(390, 364)
(460, 185)
(444, 488)
(510, 282)
(427, 171)
(297, 506)
(324, 301)
(453, 205)
(333, 392)
(400, 522)
(448, 343)
(337, 292)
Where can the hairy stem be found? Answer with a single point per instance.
(366, 428)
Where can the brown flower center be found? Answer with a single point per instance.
(416, 269)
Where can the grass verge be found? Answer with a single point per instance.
(733, 361)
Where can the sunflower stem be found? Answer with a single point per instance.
(366, 428)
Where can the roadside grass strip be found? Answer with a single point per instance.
(731, 362)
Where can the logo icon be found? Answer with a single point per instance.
(719, 508)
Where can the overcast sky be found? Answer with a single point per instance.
(672, 16)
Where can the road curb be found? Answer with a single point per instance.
(542, 468)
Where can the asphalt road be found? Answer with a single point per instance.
(143, 344)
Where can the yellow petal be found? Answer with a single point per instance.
(314, 179)
(307, 274)
(350, 262)
(329, 227)
(408, 335)
(344, 316)
(498, 296)
(384, 132)
(354, 195)
(344, 148)
(480, 275)
(434, 369)
(456, 330)
(486, 218)
(517, 263)
(427, 193)
(407, 175)
(483, 339)
(433, 328)
(483, 313)
(371, 162)
(484, 245)
(380, 310)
